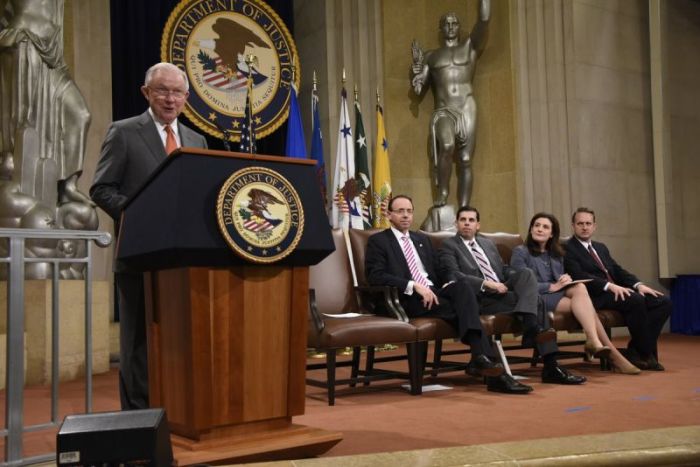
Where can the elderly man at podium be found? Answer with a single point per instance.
(131, 151)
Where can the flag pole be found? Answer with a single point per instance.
(250, 59)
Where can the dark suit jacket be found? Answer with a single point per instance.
(581, 265)
(457, 262)
(385, 263)
(131, 151)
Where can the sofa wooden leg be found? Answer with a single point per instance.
(416, 358)
(369, 367)
(437, 357)
(330, 375)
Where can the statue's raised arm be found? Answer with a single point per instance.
(480, 32)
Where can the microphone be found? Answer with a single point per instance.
(226, 137)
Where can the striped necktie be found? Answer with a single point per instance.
(411, 260)
(170, 142)
(600, 263)
(483, 263)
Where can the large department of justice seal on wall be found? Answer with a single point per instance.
(210, 39)
(260, 214)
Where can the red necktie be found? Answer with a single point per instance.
(170, 142)
(600, 263)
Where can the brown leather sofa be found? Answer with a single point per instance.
(335, 293)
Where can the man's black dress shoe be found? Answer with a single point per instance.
(507, 384)
(652, 364)
(559, 375)
(481, 365)
(633, 357)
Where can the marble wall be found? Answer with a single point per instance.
(681, 46)
(584, 116)
(87, 53)
(611, 150)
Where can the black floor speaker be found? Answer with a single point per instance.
(137, 437)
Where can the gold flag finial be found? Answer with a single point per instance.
(343, 79)
(315, 82)
(377, 96)
(355, 91)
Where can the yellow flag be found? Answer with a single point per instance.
(381, 175)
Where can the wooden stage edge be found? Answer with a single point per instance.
(292, 442)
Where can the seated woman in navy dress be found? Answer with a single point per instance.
(543, 254)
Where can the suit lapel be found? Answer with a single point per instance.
(149, 134)
(583, 253)
(466, 253)
(496, 263)
(398, 253)
(557, 266)
(186, 136)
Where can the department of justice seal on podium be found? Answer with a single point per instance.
(209, 40)
(260, 214)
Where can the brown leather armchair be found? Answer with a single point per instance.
(428, 329)
(333, 293)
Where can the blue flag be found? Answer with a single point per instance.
(317, 147)
(296, 143)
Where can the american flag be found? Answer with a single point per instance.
(247, 143)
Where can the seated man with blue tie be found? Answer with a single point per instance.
(645, 309)
(501, 289)
(403, 259)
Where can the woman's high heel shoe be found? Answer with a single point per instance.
(626, 368)
(593, 351)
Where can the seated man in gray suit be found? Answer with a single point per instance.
(500, 289)
(131, 151)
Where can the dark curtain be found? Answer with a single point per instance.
(137, 27)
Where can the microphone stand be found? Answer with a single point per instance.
(227, 136)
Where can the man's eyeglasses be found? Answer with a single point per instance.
(403, 211)
(164, 93)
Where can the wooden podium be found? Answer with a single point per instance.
(226, 338)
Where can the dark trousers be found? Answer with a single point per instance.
(521, 299)
(458, 306)
(645, 316)
(133, 357)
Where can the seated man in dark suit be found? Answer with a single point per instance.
(501, 289)
(403, 259)
(645, 309)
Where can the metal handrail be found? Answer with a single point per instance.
(14, 383)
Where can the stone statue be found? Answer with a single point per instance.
(449, 70)
(43, 128)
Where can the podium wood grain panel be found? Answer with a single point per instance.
(231, 345)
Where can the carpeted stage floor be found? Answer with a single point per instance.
(388, 419)
(383, 417)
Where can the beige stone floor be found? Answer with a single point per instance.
(678, 446)
(661, 447)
